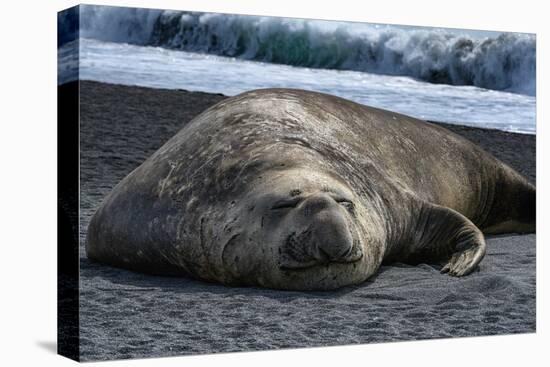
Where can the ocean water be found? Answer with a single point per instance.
(484, 79)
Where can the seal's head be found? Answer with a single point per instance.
(301, 229)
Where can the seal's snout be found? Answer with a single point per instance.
(328, 238)
(331, 234)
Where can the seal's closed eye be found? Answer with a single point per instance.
(286, 203)
(346, 203)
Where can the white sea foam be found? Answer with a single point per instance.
(162, 68)
(496, 61)
(501, 62)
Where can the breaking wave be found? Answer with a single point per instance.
(504, 62)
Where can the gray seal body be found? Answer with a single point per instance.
(292, 189)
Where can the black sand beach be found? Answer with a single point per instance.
(128, 315)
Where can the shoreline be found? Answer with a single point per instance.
(444, 124)
(516, 149)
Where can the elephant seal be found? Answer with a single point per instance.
(292, 189)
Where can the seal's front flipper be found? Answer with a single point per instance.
(463, 262)
(445, 234)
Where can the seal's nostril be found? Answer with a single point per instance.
(323, 255)
(346, 252)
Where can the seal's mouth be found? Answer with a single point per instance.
(298, 252)
(296, 265)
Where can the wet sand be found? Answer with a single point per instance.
(129, 315)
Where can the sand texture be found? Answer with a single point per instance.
(128, 315)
